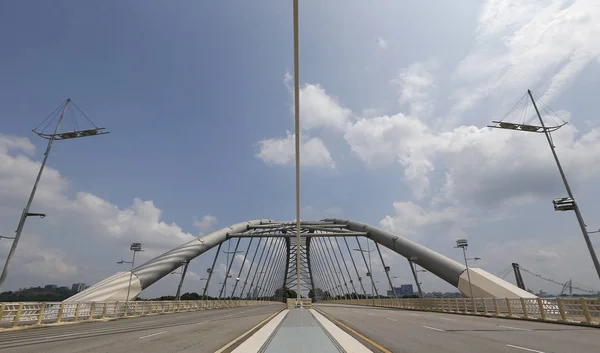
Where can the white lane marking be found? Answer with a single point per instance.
(199, 323)
(229, 315)
(154, 334)
(433, 328)
(370, 314)
(241, 312)
(525, 349)
(447, 318)
(258, 339)
(389, 318)
(347, 342)
(514, 328)
(413, 314)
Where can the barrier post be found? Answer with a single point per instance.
(496, 308)
(77, 308)
(92, 309)
(485, 312)
(40, 314)
(561, 309)
(15, 322)
(509, 307)
(60, 313)
(524, 307)
(586, 311)
(105, 309)
(541, 307)
(2, 307)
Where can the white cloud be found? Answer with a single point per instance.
(416, 84)
(313, 152)
(318, 109)
(525, 43)
(381, 43)
(83, 216)
(410, 219)
(205, 223)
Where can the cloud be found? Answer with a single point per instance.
(416, 84)
(381, 43)
(205, 223)
(83, 217)
(281, 151)
(525, 43)
(411, 219)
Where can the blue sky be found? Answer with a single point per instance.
(189, 90)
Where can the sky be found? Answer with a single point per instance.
(395, 99)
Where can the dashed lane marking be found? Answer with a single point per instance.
(514, 328)
(524, 349)
(389, 318)
(154, 334)
(433, 328)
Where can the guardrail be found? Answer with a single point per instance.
(27, 313)
(565, 310)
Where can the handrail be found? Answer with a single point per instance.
(564, 310)
(14, 314)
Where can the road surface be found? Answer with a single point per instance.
(414, 331)
(200, 331)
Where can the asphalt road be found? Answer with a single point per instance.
(412, 331)
(201, 331)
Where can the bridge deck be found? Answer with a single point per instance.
(300, 332)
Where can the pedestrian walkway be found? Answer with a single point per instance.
(299, 332)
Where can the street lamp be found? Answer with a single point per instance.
(560, 204)
(369, 274)
(50, 137)
(412, 261)
(463, 244)
(135, 247)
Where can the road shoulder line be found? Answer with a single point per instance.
(347, 342)
(354, 332)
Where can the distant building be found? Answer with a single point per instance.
(50, 286)
(78, 287)
(403, 290)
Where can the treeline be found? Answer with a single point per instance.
(37, 294)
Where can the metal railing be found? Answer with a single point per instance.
(564, 310)
(16, 314)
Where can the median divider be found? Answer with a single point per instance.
(14, 314)
(575, 311)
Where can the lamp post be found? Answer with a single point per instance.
(463, 244)
(412, 261)
(135, 247)
(51, 138)
(185, 267)
(560, 204)
(369, 273)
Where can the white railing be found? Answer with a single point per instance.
(27, 313)
(565, 310)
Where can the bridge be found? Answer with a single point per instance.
(341, 309)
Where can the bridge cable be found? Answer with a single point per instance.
(262, 252)
(385, 269)
(280, 272)
(337, 243)
(355, 269)
(224, 286)
(251, 265)
(272, 279)
(261, 276)
(264, 282)
(317, 269)
(328, 281)
(261, 268)
(241, 267)
(558, 283)
(339, 266)
(369, 270)
(212, 269)
(332, 267)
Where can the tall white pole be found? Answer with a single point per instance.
(468, 273)
(13, 248)
(297, 129)
(580, 220)
(130, 276)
